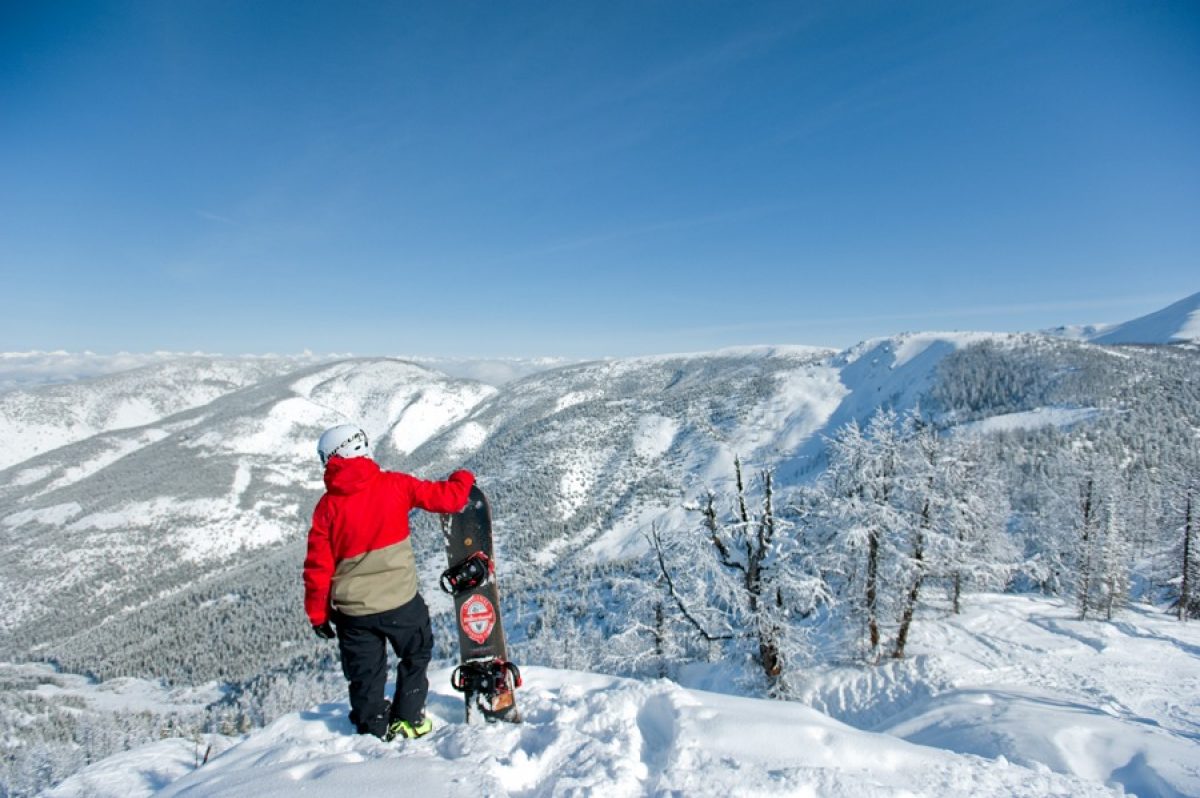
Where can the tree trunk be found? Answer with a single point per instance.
(1185, 584)
(660, 653)
(873, 589)
(914, 592)
(1085, 562)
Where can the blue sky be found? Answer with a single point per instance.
(589, 179)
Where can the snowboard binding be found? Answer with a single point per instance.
(490, 683)
(468, 574)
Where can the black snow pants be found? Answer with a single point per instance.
(363, 640)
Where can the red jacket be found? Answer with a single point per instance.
(366, 509)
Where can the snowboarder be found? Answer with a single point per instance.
(360, 579)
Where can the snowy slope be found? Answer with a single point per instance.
(604, 448)
(490, 371)
(589, 735)
(1175, 323)
(40, 419)
(1021, 677)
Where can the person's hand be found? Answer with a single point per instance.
(324, 630)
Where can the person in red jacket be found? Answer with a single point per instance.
(360, 577)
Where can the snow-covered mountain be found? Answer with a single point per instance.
(1176, 323)
(50, 400)
(41, 419)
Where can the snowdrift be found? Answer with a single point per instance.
(584, 735)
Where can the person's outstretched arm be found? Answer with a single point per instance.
(449, 496)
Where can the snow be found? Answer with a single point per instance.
(626, 538)
(573, 398)
(796, 351)
(425, 416)
(41, 418)
(1012, 697)
(575, 485)
(203, 528)
(1031, 419)
(55, 515)
(1175, 323)
(139, 773)
(586, 734)
(402, 401)
(28, 476)
(241, 480)
(29, 369)
(114, 695)
(278, 433)
(468, 437)
(912, 345)
(117, 448)
(495, 371)
(852, 386)
(654, 436)
(1021, 678)
(1190, 331)
(803, 402)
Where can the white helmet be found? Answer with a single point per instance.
(344, 440)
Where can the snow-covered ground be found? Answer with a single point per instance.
(588, 735)
(1022, 678)
(1013, 697)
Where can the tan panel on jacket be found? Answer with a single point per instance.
(376, 581)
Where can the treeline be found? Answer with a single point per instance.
(916, 510)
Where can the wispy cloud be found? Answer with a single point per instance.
(214, 217)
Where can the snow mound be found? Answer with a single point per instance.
(586, 734)
(1021, 678)
(1175, 323)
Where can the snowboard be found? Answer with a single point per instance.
(484, 676)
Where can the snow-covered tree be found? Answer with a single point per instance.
(871, 527)
(1187, 559)
(743, 579)
(907, 503)
(979, 551)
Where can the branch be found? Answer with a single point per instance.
(714, 534)
(656, 542)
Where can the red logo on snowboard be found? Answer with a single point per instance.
(477, 618)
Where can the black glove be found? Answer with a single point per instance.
(324, 630)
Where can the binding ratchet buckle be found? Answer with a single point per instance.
(468, 574)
